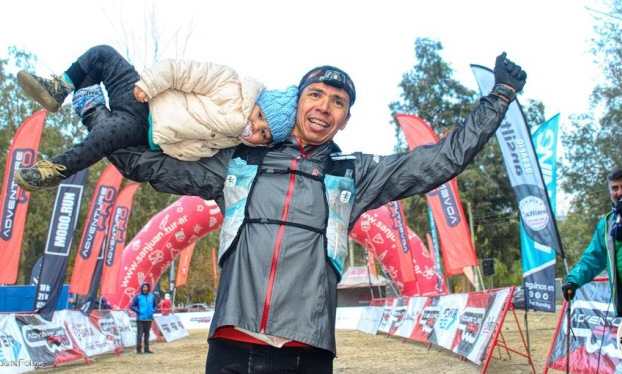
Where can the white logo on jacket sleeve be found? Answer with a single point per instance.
(230, 182)
(345, 196)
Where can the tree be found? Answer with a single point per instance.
(593, 147)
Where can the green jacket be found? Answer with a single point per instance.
(600, 254)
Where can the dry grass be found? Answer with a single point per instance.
(358, 353)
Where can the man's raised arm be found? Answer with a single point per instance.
(203, 178)
(388, 178)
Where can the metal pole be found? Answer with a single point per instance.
(568, 315)
(527, 330)
(171, 286)
(350, 252)
(437, 252)
(478, 285)
(371, 289)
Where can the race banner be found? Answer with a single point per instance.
(95, 229)
(87, 302)
(14, 357)
(526, 178)
(476, 326)
(196, 320)
(60, 236)
(184, 265)
(104, 321)
(371, 317)
(48, 342)
(123, 322)
(456, 244)
(387, 315)
(116, 239)
(14, 201)
(594, 326)
(539, 266)
(404, 254)
(90, 340)
(411, 316)
(462, 323)
(348, 317)
(398, 314)
(376, 232)
(438, 321)
(171, 327)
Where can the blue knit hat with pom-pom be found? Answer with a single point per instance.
(279, 107)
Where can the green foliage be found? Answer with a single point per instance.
(430, 92)
(593, 148)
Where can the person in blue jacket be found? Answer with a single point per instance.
(604, 250)
(144, 305)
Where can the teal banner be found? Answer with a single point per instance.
(539, 264)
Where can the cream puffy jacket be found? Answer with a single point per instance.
(197, 108)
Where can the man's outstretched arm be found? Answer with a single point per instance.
(203, 178)
(383, 179)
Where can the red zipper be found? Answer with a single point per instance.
(277, 248)
(279, 237)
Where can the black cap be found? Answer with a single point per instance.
(329, 75)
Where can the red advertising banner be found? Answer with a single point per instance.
(116, 238)
(14, 201)
(449, 217)
(184, 265)
(413, 275)
(95, 229)
(151, 251)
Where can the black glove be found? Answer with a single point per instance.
(508, 73)
(569, 289)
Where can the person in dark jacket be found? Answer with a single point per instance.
(144, 305)
(287, 213)
(604, 249)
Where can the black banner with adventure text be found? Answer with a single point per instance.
(60, 235)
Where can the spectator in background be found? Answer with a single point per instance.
(144, 305)
(165, 305)
(604, 249)
(104, 304)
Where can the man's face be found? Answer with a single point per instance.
(145, 289)
(615, 190)
(322, 111)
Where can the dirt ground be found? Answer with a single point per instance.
(358, 353)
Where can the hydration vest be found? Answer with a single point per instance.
(338, 185)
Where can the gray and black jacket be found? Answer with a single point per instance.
(288, 210)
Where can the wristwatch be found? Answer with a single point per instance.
(504, 91)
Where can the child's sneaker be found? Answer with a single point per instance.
(42, 175)
(50, 93)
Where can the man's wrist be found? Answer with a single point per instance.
(505, 92)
